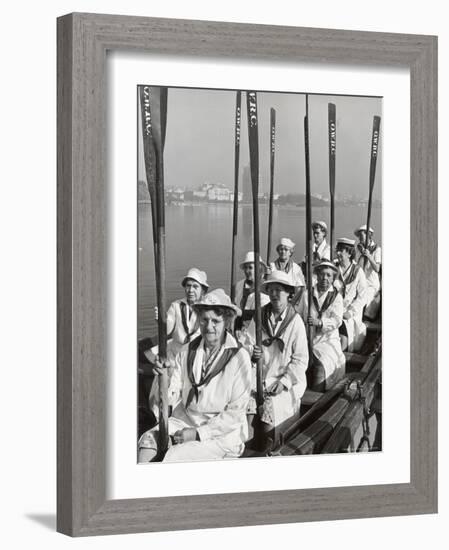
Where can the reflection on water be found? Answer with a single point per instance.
(200, 236)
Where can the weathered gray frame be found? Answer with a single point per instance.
(83, 40)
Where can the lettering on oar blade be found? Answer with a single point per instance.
(375, 144)
(252, 102)
(332, 137)
(237, 125)
(146, 111)
(273, 137)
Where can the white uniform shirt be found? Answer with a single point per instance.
(220, 412)
(372, 277)
(323, 251)
(175, 326)
(354, 298)
(354, 291)
(290, 365)
(331, 317)
(326, 342)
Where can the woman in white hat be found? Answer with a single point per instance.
(326, 316)
(182, 320)
(210, 385)
(284, 353)
(244, 291)
(284, 262)
(370, 259)
(182, 324)
(321, 249)
(352, 282)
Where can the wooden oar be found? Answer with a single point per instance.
(272, 155)
(332, 131)
(372, 174)
(235, 219)
(149, 153)
(154, 122)
(309, 235)
(253, 136)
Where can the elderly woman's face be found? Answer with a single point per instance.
(278, 295)
(284, 252)
(343, 254)
(325, 277)
(248, 270)
(362, 236)
(212, 327)
(318, 234)
(193, 291)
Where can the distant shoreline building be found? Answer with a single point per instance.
(217, 193)
(207, 192)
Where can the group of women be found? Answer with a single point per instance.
(213, 351)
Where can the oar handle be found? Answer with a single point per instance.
(309, 235)
(253, 136)
(332, 143)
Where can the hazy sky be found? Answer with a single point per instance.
(200, 141)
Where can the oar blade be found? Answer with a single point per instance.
(372, 174)
(374, 151)
(148, 143)
(272, 159)
(332, 130)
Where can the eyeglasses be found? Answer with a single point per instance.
(214, 321)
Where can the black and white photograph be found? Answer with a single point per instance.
(259, 274)
(219, 356)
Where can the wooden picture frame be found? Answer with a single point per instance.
(83, 40)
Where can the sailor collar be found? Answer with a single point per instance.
(275, 320)
(344, 272)
(322, 296)
(321, 247)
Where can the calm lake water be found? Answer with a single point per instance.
(200, 236)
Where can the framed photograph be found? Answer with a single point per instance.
(220, 143)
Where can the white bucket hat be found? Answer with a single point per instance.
(198, 276)
(320, 224)
(285, 241)
(281, 278)
(325, 263)
(249, 259)
(344, 240)
(217, 298)
(363, 228)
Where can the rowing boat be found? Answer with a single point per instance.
(345, 418)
